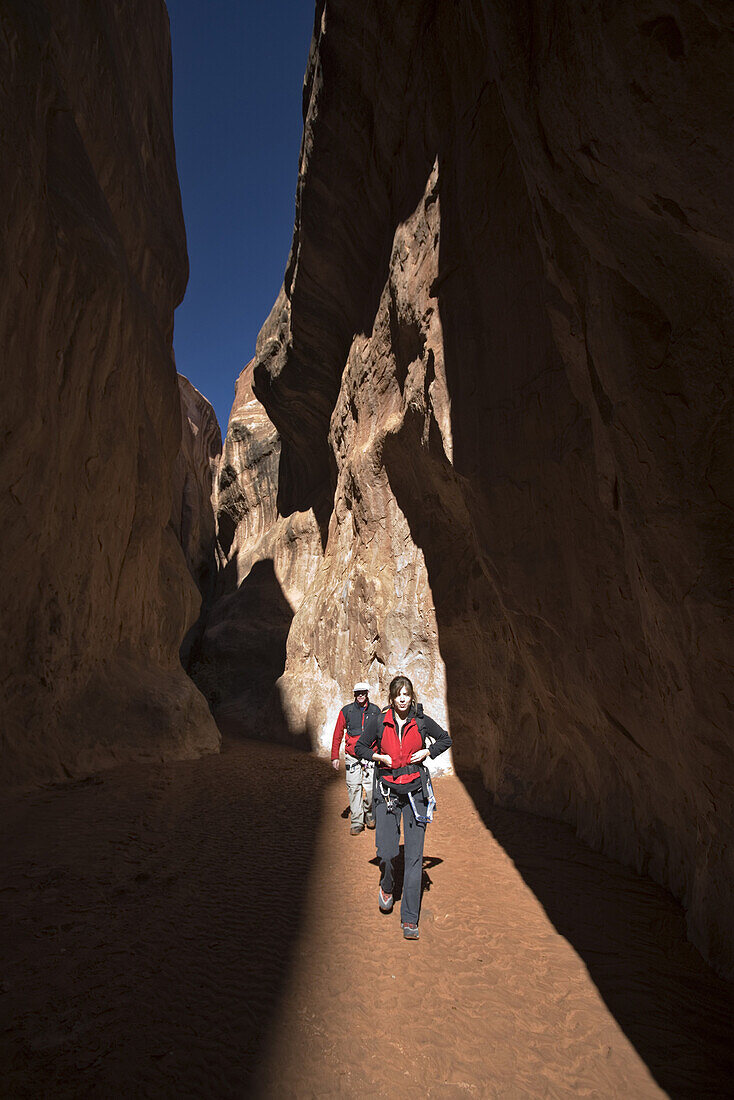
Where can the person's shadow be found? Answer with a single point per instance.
(429, 862)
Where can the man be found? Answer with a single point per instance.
(354, 719)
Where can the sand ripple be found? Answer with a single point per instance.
(210, 929)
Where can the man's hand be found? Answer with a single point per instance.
(420, 756)
(382, 758)
(335, 765)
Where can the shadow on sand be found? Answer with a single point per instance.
(631, 935)
(150, 921)
(399, 869)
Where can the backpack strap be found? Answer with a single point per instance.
(420, 721)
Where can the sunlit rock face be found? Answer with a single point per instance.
(266, 565)
(96, 595)
(192, 512)
(500, 369)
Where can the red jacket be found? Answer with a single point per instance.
(400, 750)
(403, 775)
(352, 722)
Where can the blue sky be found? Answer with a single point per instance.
(238, 70)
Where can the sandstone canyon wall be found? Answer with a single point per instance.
(291, 626)
(192, 511)
(267, 564)
(500, 370)
(96, 595)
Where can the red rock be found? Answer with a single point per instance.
(96, 595)
(192, 512)
(267, 564)
(503, 351)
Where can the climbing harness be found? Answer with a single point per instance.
(392, 804)
(389, 794)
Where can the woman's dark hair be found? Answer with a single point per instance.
(397, 685)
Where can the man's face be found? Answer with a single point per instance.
(360, 697)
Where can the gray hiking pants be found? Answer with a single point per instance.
(387, 836)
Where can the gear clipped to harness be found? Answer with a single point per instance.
(427, 818)
(389, 797)
(392, 804)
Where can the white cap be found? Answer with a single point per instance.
(361, 686)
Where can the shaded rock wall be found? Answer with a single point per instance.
(503, 350)
(96, 595)
(192, 511)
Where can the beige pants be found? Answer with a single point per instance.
(358, 780)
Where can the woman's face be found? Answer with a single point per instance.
(402, 701)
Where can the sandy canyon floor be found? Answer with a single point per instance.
(211, 929)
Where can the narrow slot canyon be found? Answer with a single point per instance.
(484, 441)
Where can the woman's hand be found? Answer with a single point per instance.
(382, 758)
(420, 756)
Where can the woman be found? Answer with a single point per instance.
(402, 790)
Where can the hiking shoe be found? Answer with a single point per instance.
(356, 829)
(410, 931)
(369, 822)
(385, 902)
